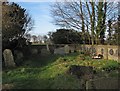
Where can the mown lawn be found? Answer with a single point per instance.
(50, 72)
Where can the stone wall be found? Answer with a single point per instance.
(108, 51)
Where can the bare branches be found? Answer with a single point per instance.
(86, 16)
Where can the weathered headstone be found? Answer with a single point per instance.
(18, 57)
(18, 54)
(60, 51)
(47, 46)
(67, 49)
(8, 58)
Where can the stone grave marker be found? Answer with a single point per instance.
(18, 57)
(59, 51)
(67, 49)
(8, 58)
(18, 54)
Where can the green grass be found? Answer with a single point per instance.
(45, 72)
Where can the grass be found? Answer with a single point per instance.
(50, 72)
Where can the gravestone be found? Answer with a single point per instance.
(18, 57)
(67, 49)
(8, 58)
(18, 54)
(60, 51)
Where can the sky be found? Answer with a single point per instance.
(40, 13)
(39, 10)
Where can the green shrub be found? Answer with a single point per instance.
(111, 65)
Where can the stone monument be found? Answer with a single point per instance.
(8, 58)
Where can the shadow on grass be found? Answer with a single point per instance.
(39, 60)
(61, 81)
(45, 76)
(44, 60)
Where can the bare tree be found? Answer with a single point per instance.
(28, 37)
(89, 17)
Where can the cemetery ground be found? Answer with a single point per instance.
(52, 72)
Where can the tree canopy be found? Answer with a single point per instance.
(16, 22)
(66, 36)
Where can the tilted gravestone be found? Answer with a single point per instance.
(8, 58)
